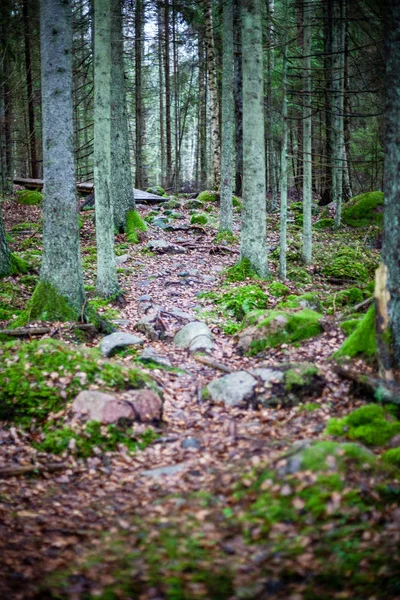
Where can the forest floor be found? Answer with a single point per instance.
(230, 521)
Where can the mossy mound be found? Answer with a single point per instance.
(350, 324)
(296, 207)
(237, 203)
(324, 224)
(344, 298)
(171, 204)
(46, 304)
(199, 219)
(351, 264)
(362, 340)
(226, 237)
(240, 302)
(40, 377)
(17, 265)
(271, 328)
(392, 457)
(364, 210)
(370, 424)
(278, 289)
(208, 196)
(134, 223)
(157, 189)
(308, 300)
(299, 275)
(241, 271)
(29, 197)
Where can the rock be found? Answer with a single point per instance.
(267, 375)
(163, 247)
(97, 406)
(146, 405)
(120, 260)
(195, 336)
(121, 322)
(119, 339)
(194, 204)
(235, 389)
(209, 279)
(160, 222)
(170, 470)
(394, 442)
(177, 312)
(149, 356)
(144, 298)
(150, 324)
(190, 443)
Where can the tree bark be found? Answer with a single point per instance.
(214, 101)
(307, 133)
(238, 95)
(161, 84)
(140, 130)
(284, 158)
(29, 92)
(227, 118)
(202, 115)
(61, 263)
(167, 78)
(253, 235)
(337, 106)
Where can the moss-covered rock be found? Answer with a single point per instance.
(134, 223)
(240, 271)
(344, 298)
(157, 189)
(53, 373)
(324, 224)
(195, 204)
(350, 264)
(308, 300)
(29, 197)
(241, 301)
(199, 219)
(278, 289)
(268, 329)
(18, 265)
(364, 210)
(370, 424)
(299, 275)
(226, 237)
(208, 196)
(350, 325)
(172, 204)
(46, 304)
(392, 457)
(362, 340)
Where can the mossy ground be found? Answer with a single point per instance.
(362, 341)
(46, 304)
(370, 425)
(241, 271)
(239, 302)
(134, 223)
(29, 197)
(364, 210)
(199, 219)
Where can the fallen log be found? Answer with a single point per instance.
(50, 468)
(214, 364)
(387, 392)
(23, 331)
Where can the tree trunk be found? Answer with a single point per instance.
(391, 244)
(29, 92)
(107, 280)
(168, 175)
(161, 85)
(140, 178)
(61, 263)
(121, 187)
(253, 236)
(227, 118)
(337, 106)
(202, 115)
(176, 99)
(326, 193)
(307, 133)
(238, 95)
(270, 172)
(284, 159)
(214, 102)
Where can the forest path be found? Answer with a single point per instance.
(51, 522)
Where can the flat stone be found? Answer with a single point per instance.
(177, 312)
(144, 298)
(163, 247)
(235, 389)
(148, 355)
(122, 322)
(91, 405)
(267, 375)
(195, 336)
(122, 259)
(119, 339)
(170, 470)
(190, 443)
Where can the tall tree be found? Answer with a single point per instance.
(121, 172)
(238, 96)
(29, 92)
(227, 118)
(107, 279)
(284, 158)
(391, 245)
(160, 26)
(307, 129)
(214, 101)
(61, 263)
(167, 78)
(338, 30)
(140, 177)
(253, 236)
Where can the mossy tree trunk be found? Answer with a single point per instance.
(214, 101)
(61, 264)
(253, 236)
(5, 254)
(338, 29)
(284, 158)
(227, 118)
(307, 132)
(107, 280)
(391, 244)
(121, 173)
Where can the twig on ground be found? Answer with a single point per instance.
(51, 468)
(210, 362)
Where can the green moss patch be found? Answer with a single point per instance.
(364, 210)
(199, 219)
(278, 289)
(29, 197)
(39, 377)
(308, 300)
(241, 301)
(157, 189)
(134, 223)
(351, 263)
(226, 237)
(241, 271)
(299, 275)
(324, 224)
(208, 196)
(344, 298)
(370, 424)
(392, 457)
(362, 340)
(46, 304)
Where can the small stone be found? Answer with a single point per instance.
(235, 389)
(190, 443)
(163, 247)
(148, 355)
(195, 336)
(169, 470)
(119, 339)
(91, 405)
(122, 259)
(146, 405)
(144, 298)
(122, 322)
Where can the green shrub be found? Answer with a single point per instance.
(364, 210)
(29, 197)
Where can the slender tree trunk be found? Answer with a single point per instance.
(284, 158)
(307, 133)
(168, 178)
(347, 185)
(29, 93)
(202, 115)
(107, 280)
(61, 263)
(176, 99)
(271, 179)
(227, 118)
(238, 95)
(121, 172)
(326, 194)
(253, 236)
(214, 102)
(140, 179)
(337, 106)
(391, 244)
(161, 84)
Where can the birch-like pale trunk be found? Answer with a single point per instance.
(214, 102)
(238, 97)
(225, 223)
(253, 236)
(61, 262)
(337, 107)
(121, 186)
(391, 243)
(284, 158)
(307, 132)
(107, 280)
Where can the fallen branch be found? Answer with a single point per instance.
(357, 307)
(387, 392)
(23, 331)
(50, 468)
(210, 362)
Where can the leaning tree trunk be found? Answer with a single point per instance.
(253, 236)
(121, 186)
(61, 263)
(227, 118)
(391, 244)
(214, 103)
(107, 280)
(307, 140)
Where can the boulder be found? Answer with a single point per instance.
(195, 336)
(235, 389)
(163, 247)
(119, 339)
(146, 405)
(98, 406)
(149, 356)
(194, 204)
(120, 260)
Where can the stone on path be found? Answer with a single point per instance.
(119, 260)
(170, 470)
(190, 443)
(163, 247)
(150, 356)
(235, 389)
(195, 336)
(119, 339)
(146, 405)
(91, 405)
